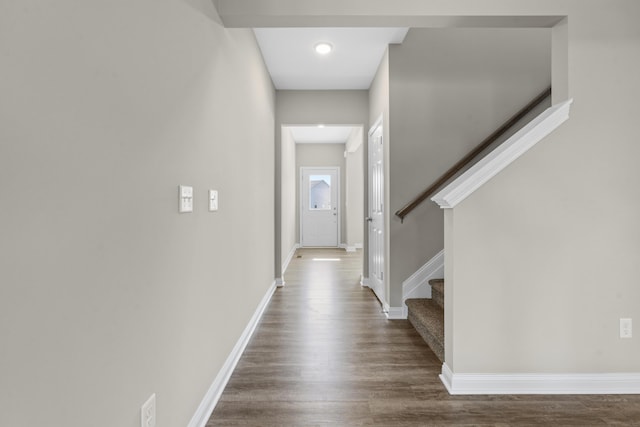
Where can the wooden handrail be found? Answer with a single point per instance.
(472, 154)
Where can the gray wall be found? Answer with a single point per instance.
(289, 197)
(318, 155)
(108, 294)
(354, 187)
(449, 89)
(340, 107)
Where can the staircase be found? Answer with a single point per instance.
(427, 316)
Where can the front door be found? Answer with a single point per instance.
(376, 210)
(319, 209)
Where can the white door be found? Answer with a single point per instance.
(376, 210)
(319, 207)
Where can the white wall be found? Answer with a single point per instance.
(107, 293)
(449, 89)
(320, 155)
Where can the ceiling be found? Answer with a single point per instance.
(294, 65)
(325, 134)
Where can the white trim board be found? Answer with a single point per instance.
(392, 313)
(395, 313)
(364, 281)
(417, 285)
(353, 248)
(506, 153)
(210, 400)
(613, 383)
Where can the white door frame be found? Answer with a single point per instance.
(301, 206)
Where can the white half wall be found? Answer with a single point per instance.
(417, 285)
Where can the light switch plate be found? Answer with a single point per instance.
(213, 200)
(626, 328)
(185, 199)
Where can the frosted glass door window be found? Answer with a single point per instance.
(320, 192)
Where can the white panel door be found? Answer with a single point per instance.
(376, 210)
(319, 207)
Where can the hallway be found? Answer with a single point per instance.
(325, 354)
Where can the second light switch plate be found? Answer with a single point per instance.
(213, 200)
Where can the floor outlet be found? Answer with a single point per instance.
(625, 328)
(148, 412)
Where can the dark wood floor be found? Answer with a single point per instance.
(324, 354)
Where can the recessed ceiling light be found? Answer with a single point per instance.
(323, 48)
(320, 125)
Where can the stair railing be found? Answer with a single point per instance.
(433, 188)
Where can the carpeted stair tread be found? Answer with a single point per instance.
(428, 318)
(437, 291)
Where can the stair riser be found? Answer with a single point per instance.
(438, 297)
(429, 337)
(437, 291)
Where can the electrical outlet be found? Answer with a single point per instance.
(625, 328)
(148, 412)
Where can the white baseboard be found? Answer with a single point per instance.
(364, 282)
(613, 383)
(286, 262)
(395, 313)
(350, 248)
(212, 396)
(280, 282)
(417, 285)
(354, 247)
